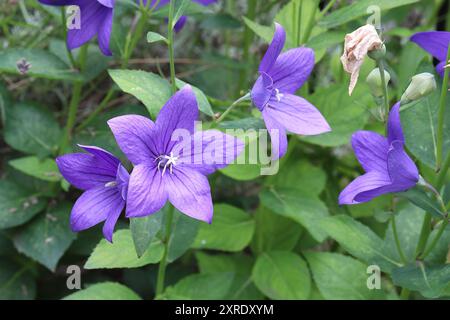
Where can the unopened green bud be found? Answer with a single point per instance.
(374, 82)
(377, 54)
(421, 85)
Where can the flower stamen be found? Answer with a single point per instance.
(166, 161)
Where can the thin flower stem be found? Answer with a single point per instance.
(424, 234)
(69, 52)
(109, 95)
(326, 9)
(397, 240)
(441, 116)
(163, 263)
(74, 103)
(248, 38)
(380, 65)
(170, 44)
(443, 172)
(228, 110)
(435, 240)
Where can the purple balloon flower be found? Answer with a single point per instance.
(96, 18)
(167, 168)
(182, 21)
(435, 43)
(281, 75)
(388, 167)
(105, 182)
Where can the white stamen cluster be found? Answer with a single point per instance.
(166, 161)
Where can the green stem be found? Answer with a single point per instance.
(133, 38)
(74, 103)
(380, 65)
(163, 263)
(435, 240)
(424, 234)
(228, 110)
(248, 38)
(441, 116)
(69, 52)
(443, 173)
(310, 25)
(171, 50)
(99, 109)
(397, 240)
(326, 9)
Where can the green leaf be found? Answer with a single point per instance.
(227, 220)
(241, 265)
(144, 230)
(306, 209)
(340, 277)
(282, 275)
(47, 237)
(32, 130)
(264, 32)
(419, 122)
(345, 114)
(274, 232)
(420, 198)
(45, 169)
(358, 240)
(430, 281)
(203, 102)
(17, 204)
(184, 231)
(411, 57)
(121, 254)
(155, 37)
(152, 90)
(359, 9)
(104, 291)
(212, 286)
(43, 64)
(180, 7)
(16, 282)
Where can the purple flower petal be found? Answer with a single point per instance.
(208, 151)
(180, 23)
(297, 115)
(109, 160)
(122, 179)
(190, 193)
(58, 2)
(111, 220)
(104, 33)
(146, 191)
(134, 134)
(107, 3)
(292, 69)
(95, 206)
(371, 150)
(262, 91)
(402, 169)
(277, 134)
(86, 171)
(369, 182)
(440, 68)
(274, 49)
(434, 42)
(180, 112)
(394, 125)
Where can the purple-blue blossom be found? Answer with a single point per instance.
(171, 159)
(388, 167)
(96, 19)
(104, 181)
(281, 75)
(435, 43)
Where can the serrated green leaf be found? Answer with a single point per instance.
(121, 253)
(227, 220)
(45, 169)
(282, 275)
(104, 291)
(47, 237)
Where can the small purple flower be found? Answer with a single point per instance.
(435, 43)
(167, 168)
(105, 182)
(388, 167)
(281, 75)
(182, 21)
(96, 19)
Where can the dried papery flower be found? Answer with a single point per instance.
(356, 47)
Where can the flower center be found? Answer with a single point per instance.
(165, 161)
(278, 95)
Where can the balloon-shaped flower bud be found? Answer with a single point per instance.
(421, 85)
(374, 82)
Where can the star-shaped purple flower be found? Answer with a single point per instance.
(388, 167)
(435, 43)
(105, 182)
(182, 21)
(96, 19)
(281, 75)
(171, 159)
